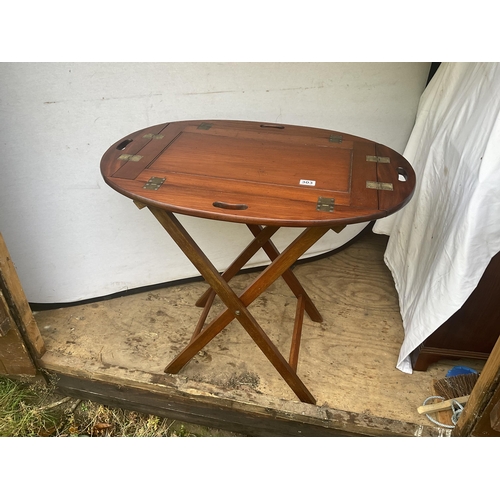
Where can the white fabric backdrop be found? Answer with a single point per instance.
(442, 241)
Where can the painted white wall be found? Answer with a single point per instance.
(72, 237)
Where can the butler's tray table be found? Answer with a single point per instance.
(267, 176)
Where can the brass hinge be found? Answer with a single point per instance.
(335, 138)
(382, 186)
(130, 157)
(152, 136)
(204, 126)
(325, 204)
(154, 183)
(379, 159)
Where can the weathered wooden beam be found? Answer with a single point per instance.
(14, 357)
(477, 409)
(19, 307)
(199, 403)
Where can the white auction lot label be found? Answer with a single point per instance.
(305, 182)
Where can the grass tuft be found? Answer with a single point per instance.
(36, 409)
(22, 411)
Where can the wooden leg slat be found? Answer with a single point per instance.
(290, 278)
(203, 317)
(297, 333)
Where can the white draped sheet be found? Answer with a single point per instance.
(441, 243)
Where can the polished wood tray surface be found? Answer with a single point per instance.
(259, 173)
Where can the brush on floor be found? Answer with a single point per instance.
(455, 388)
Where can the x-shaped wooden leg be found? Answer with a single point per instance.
(237, 306)
(262, 239)
(252, 248)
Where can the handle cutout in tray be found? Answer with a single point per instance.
(273, 126)
(230, 206)
(123, 144)
(402, 174)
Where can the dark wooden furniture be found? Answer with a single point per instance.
(266, 176)
(472, 331)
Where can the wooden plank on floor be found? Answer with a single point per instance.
(203, 404)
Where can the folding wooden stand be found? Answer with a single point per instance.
(266, 176)
(237, 306)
